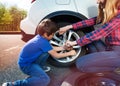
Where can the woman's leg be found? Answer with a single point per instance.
(96, 46)
(100, 45)
(98, 62)
(37, 77)
(91, 48)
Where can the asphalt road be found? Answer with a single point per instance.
(10, 46)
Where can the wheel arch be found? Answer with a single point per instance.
(67, 16)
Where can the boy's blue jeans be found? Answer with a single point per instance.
(37, 75)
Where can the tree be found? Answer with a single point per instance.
(10, 18)
(17, 16)
(2, 11)
(6, 18)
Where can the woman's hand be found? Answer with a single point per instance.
(70, 43)
(68, 47)
(62, 30)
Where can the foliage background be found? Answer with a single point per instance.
(10, 18)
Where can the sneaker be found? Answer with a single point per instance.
(46, 68)
(7, 84)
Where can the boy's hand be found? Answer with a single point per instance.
(73, 52)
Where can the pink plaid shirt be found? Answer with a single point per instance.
(110, 30)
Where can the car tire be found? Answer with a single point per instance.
(89, 79)
(63, 62)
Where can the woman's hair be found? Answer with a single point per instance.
(46, 26)
(110, 10)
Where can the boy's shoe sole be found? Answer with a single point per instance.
(46, 68)
(7, 84)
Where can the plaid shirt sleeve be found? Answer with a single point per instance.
(84, 23)
(103, 31)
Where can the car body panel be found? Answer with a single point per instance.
(41, 8)
(87, 8)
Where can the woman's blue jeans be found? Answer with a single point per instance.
(105, 61)
(37, 75)
(96, 46)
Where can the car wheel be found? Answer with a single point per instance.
(59, 40)
(96, 79)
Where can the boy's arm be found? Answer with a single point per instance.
(61, 48)
(61, 55)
